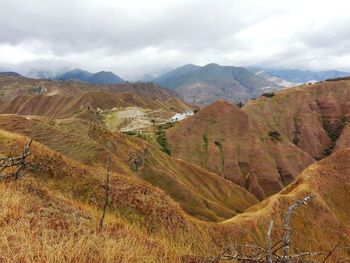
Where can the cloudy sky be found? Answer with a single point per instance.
(135, 37)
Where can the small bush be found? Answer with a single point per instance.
(268, 94)
(240, 104)
(162, 140)
(130, 133)
(166, 126)
(327, 151)
(274, 135)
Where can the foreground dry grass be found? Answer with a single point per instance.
(38, 227)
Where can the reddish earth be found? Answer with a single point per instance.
(311, 115)
(309, 120)
(237, 149)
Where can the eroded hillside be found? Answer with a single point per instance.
(224, 139)
(310, 116)
(267, 143)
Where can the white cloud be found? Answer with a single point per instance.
(135, 37)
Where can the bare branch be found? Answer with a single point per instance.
(331, 252)
(106, 187)
(304, 254)
(19, 162)
(288, 228)
(268, 243)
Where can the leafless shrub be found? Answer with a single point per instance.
(19, 163)
(106, 187)
(278, 252)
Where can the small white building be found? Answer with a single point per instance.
(181, 116)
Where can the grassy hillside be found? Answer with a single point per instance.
(200, 193)
(63, 106)
(11, 87)
(57, 204)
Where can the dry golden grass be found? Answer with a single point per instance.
(38, 227)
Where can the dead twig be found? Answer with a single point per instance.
(288, 228)
(268, 243)
(331, 252)
(106, 187)
(20, 162)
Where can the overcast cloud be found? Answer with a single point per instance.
(135, 37)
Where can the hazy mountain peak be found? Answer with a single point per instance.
(105, 77)
(10, 74)
(102, 77)
(203, 85)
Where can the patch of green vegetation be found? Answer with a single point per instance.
(130, 133)
(205, 148)
(268, 94)
(333, 130)
(222, 157)
(327, 151)
(275, 136)
(205, 141)
(296, 133)
(162, 139)
(166, 126)
(240, 104)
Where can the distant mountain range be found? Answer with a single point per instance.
(203, 85)
(102, 77)
(273, 78)
(10, 74)
(303, 76)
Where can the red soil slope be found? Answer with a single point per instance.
(311, 116)
(224, 139)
